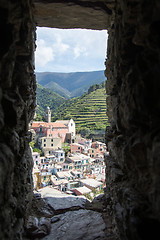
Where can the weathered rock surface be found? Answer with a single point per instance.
(65, 203)
(17, 104)
(133, 139)
(56, 201)
(74, 14)
(133, 73)
(81, 224)
(37, 227)
(44, 211)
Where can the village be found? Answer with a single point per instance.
(81, 171)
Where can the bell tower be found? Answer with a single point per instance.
(48, 115)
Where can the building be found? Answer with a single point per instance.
(59, 184)
(36, 178)
(92, 152)
(80, 161)
(36, 158)
(60, 155)
(64, 129)
(76, 148)
(45, 177)
(67, 165)
(48, 115)
(81, 191)
(99, 146)
(70, 124)
(91, 184)
(49, 144)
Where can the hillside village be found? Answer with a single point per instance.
(81, 171)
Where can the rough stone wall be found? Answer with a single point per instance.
(133, 167)
(92, 14)
(133, 171)
(17, 103)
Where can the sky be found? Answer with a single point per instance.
(70, 50)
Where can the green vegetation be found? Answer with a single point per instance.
(88, 112)
(45, 98)
(67, 148)
(34, 145)
(37, 150)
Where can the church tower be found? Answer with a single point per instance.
(48, 115)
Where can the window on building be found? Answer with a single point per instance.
(52, 145)
(44, 140)
(44, 145)
(52, 140)
(44, 177)
(61, 159)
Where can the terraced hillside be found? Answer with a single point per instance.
(88, 111)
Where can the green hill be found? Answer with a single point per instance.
(88, 111)
(70, 85)
(45, 98)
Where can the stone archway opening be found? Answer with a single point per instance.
(97, 132)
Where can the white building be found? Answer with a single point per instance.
(70, 124)
(80, 161)
(60, 155)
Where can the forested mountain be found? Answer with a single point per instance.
(70, 85)
(45, 98)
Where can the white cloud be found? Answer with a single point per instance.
(44, 54)
(79, 51)
(59, 47)
(72, 49)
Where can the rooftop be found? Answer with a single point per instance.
(78, 156)
(83, 190)
(91, 182)
(48, 125)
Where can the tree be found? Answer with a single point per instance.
(37, 150)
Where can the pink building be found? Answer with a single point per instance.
(99, 146)
(51, 129)
(76, 148)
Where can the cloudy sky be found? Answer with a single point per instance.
(70, 50)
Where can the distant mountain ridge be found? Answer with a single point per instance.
(70, 85)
